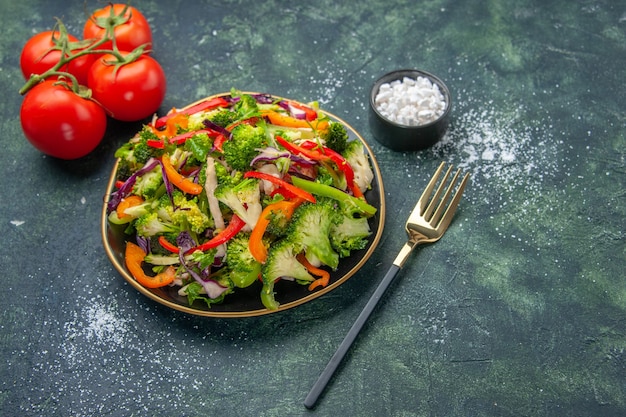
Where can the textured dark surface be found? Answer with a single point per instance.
(518, 311)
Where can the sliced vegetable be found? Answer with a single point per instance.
(182, 183)
(202, 106)
(130, 201)
(134, 257)
(351, 203)
(167, 245)
(256, 245)
(281, 119)
(294, 190)
(234, 226)
(322, 273)
(341, 162)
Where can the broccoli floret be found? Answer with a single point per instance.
(244, 199)
(136, 152)
(278, 224)
(186, 213)
(243, 269)
(223, 117)
(142, 152)
(349, 234)
(149, 184)
(281, 262)
(310, 231)
(359, 161)
(336, 137)
(246, 107)
(243, 146)
(199, 146)
(151, 225)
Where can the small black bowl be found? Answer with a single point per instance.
(406, 137)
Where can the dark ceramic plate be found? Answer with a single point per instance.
(246, 302)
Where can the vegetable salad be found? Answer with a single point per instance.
(237, 189)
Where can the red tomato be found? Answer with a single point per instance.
(133, 29)
(130, 92)
(60, 123)
(37, 57)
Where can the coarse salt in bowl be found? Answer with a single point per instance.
(409, 109)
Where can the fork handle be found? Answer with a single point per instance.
(345, 345)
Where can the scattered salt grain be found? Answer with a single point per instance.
(410, 102)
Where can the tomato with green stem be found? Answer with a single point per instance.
(61, 123)
(129, 91)
(130, 28)
(45, 49)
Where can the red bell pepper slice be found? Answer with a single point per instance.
(295, 191)
(167, 245)
(316, 152)
(202, 106)
(154, 143)
(234, 226)
(341, 163)
(182, 138)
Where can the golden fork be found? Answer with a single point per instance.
(427, 223)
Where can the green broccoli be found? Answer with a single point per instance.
(349, 234)
(309, 229)
(243, 146)
(136, 152)
(242, 268)
(149, 184)
(223, 117)
(359, 161)
(281, 262)
(336, 137)
(186, 213)
(244, 199)
(225, 177)
(199, 145)
(150, 225)
(246, 107)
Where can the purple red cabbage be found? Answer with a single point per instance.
(127, 187)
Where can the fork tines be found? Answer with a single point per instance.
(434, 207)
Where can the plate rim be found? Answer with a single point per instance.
(375, 239)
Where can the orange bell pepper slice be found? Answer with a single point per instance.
(130, 201)
(255, 244)
(285, 120)
(134, 257)
(182, 183)
(323, 274)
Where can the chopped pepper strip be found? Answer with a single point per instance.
(171, 125)
(327, 191)
(323, 274)
(167, 245)
(182, 138)
(202, 106)
(130, 201)
(321, 153)
(134, 257)
(285, 120)
(182, 183)
(296, 191)
(256, 246)
(154, 143)
(341, 163)
(234, 226)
